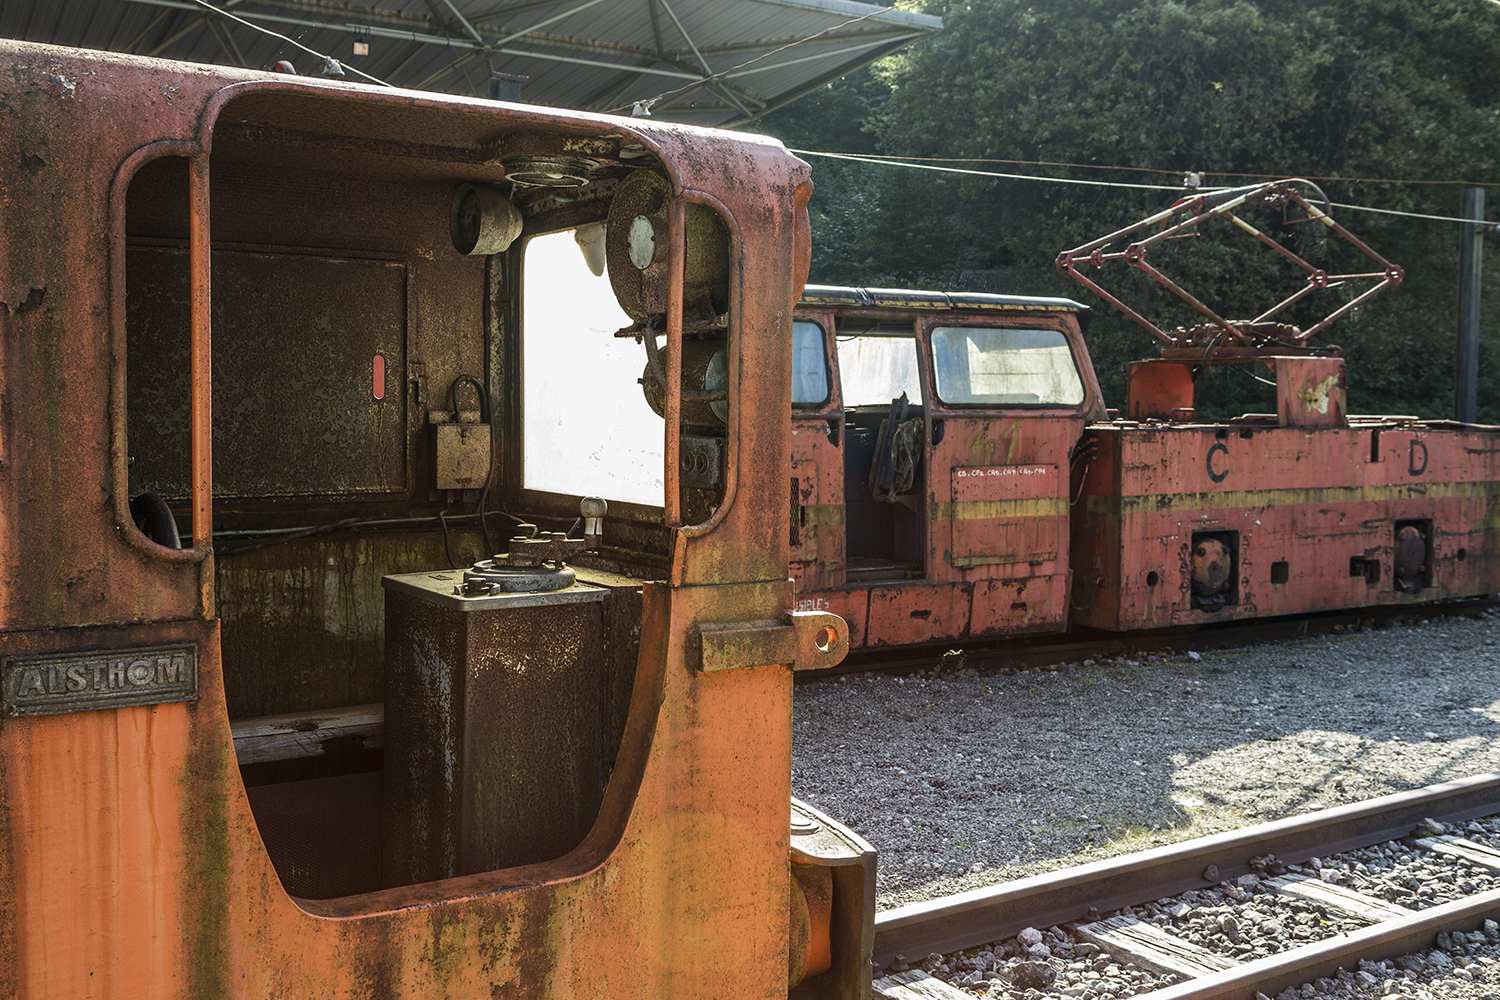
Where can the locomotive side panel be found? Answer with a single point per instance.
(62, 562)
(1002, 525)
(1237, 521)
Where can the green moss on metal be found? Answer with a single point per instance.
(208, 865)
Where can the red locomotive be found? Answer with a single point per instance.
(945, 514)
(955, 474)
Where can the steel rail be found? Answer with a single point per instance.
(997, 912)
(1387, 939)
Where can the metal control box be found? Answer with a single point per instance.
(495, 707)
(462, 452)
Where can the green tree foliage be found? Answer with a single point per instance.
(1358, 93)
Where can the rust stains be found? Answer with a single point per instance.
(22, 298)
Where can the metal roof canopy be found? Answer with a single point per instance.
(702, 62)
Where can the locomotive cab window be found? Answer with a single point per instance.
(574, 370)
(1004, 366)
(877, 368)
(809, 365)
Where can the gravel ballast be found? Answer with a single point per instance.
(965, 779)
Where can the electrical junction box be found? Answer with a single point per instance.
(462, 450)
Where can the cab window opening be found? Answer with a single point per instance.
(880, 378)
(809, 365)
(588, 428)
(158, 338)
(875, 369)
(1004, 366)
(362, 391)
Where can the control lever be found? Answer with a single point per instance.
(533, 548)
(534, 559)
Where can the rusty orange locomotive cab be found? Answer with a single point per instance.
(932, 436)
(326, 671)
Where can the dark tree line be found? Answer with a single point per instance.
(1378, 98)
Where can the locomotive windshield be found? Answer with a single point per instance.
(992, 366)
(877, 369)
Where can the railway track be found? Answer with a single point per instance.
(1172, 883)
(1075, 646)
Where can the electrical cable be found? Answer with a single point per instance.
(447, 551)
(1202, 368)
(478, 387)
(887, 162)
(284, 535)
(1415, 215)
(1257, 378)
(489, 474)
(290, 41)
(1031, 163)
(1161, 170)
(985, 173)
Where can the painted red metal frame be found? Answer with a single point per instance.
(1312, 516)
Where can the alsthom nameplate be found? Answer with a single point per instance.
(86, 682)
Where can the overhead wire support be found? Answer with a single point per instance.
(710, 79)
(489, 52)
(409, 35)
(900, 6)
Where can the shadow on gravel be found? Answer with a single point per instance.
(964, 779)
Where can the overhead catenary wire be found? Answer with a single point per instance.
(1163, 170)
(892, 162)
(984, 173)
(290, 41)
(1411, 215)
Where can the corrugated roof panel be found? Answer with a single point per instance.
(595, 55)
